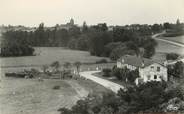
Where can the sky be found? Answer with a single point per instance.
(112, 12)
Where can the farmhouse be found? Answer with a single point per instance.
(148, 70)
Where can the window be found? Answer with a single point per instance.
(152, 67)
(155, 77)
(158, 69)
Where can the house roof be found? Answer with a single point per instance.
(136, 61)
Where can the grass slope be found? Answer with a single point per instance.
(21, 96)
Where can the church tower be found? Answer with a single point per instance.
(72, 21)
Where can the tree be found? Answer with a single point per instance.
(101, 27)
(176, 70)
(83, 42)
(133, 75)
(144, 97)
(178, 22)
(149, 47)
(81, 107)
(13, 43)
(132, 46)
(149, 97)
(72, 44)
(106, 72)
(167, 25)
(44, 68)
(77, 65)
(156, 28)
(97, 41)
(62, 37)
(172, 56)
(84, 27)
(56, 65)
(74, 32)
(40, 35)
(111, 46)
(120, 51)
(66, 65)
(179, 69)
(66, 69)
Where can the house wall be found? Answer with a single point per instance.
(149, 73)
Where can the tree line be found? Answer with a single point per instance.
(97, 39)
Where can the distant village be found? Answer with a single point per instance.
(71, 23)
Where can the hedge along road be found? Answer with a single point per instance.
(108, 84)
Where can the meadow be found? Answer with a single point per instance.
(29, 96)
(164, 47)
(179, 39)
(47, 55)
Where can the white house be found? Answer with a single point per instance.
(148, 70)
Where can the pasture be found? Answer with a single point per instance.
(179, 39)
(47, 55)
(164, 47)
(29, 96)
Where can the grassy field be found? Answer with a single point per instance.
(29, 96)
(164, 47)
(47, 55)
(179, 39)
(26, 96)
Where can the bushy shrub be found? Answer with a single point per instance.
(176, 70)
(101, 61)
(124, 73)
(172, 56)
(117, 73)
(56, 87)
(107, 72)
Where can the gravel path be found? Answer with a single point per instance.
(108, 84)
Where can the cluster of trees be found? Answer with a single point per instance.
(119, 41)
(173, 30)
(10, 48)
(122, 74)
(97, 39)
(125, 74)
(149, 97)
(172, 56)
(56, 67)
(16, 50)
(176, 70)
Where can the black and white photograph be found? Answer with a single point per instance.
(91, 56)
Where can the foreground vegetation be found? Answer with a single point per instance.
(149, 97)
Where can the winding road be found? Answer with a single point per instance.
(167, 41)
(108, 84)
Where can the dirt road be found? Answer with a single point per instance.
(108, 84)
